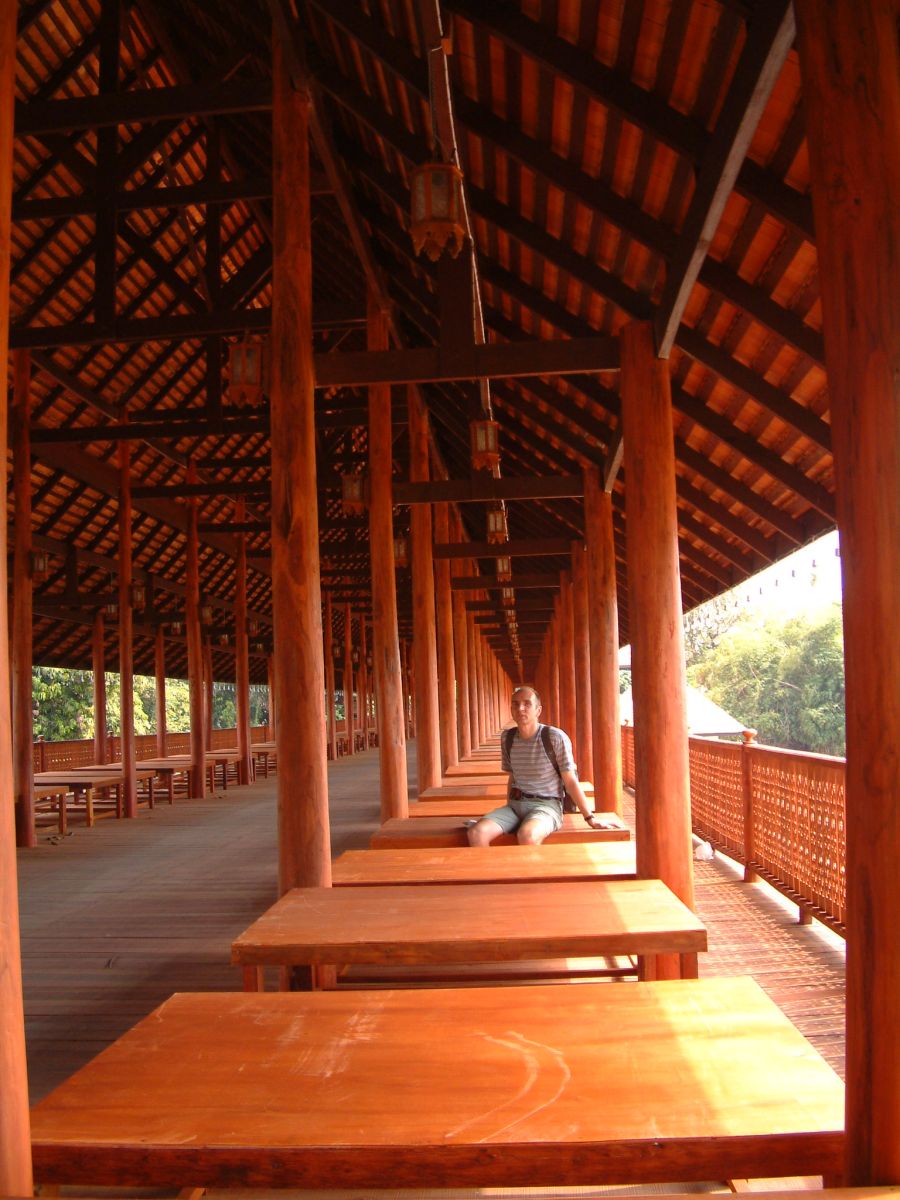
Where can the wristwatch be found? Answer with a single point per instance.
(588, 816)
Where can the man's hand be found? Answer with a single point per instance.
(603, 820)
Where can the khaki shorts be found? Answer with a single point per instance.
(511, 815)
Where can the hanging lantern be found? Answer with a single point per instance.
(437, 210)
(336, 650)
(206, 614)
(223, 639)
(246, 370)
(111, 610)
(370, 662)
(175, 628)
(497, 529)
(40, 565)
(138, 596)
(401, 551)
(353, 495)
(354, 656)
(508, 595)
(252, 627)
(504, 568)
(485, 442)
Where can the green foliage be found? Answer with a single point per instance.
(785, 679)
(62, 704)
(705, 626)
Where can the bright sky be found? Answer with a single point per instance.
(804, 582)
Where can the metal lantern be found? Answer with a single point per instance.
(138, 595)
(336, 650)
(508, 595)
(437, 210)
(497, 529)
(111, 610)
(40, 565)
(401, 551)
(223, 639)
(485, 442)
(504, 567)
(252, 627)
(206, 613)
(370, 662)
(354, 656)
(175, 628)
(246, 370)
(353, 495)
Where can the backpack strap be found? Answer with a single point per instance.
(508, 735)
(549, 750)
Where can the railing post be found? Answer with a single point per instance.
(42, 747)
(750, 876)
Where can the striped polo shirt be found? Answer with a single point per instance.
(531, 769)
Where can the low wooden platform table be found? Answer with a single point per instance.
(486, 864)
(81, 782)
(480, 924)
(168, 768)
(399, 833)
(692, 1079)
(144, 773)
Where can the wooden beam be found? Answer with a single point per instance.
(466, 491)
(522, 548)
(38, 117)
(489, 583)
(179, 426)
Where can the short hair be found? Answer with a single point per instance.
(526, 687)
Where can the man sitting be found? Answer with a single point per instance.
(537, 784)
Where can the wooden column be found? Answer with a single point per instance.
(363, 683)
(159, 669)
(331, 723)
(241, 653)
(349, 681)
(303, 832)
(474, 682)
(447, 674)
(461, 652)
(582, 637)
(428, 740)
(21, 632)
(404, 677)
(662, 781)
(194, 637)
(604, 629)
(567, 659)
(850, 66)
(208, 688)
(15, 1135)
(552, 698)
(390, 676)
(126, 636)
(270, 680)
(98, 668)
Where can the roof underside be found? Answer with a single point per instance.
(595, 139)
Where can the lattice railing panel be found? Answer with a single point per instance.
(799, 835)
(54, 756)
(717, 798)
(628, 755)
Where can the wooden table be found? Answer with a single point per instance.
(81, 781)
(486, 864)
(400, 833)
(263, 752)
(482, 923)
(142, 772)
(472, 1087)
(168, 768)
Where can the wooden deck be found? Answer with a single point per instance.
(116, 918)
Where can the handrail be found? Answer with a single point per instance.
(779, 812)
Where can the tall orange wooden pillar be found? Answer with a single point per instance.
(428, 741)
(851, 90)
(15, 1135)
(604, 629)
(349, 681)
(126, 636)
(461, 657)
(21, 633)
(447, 673)
(194, 636)
(241, 653)
(567, 659)
(328, 650)
(159, 669)
(662, 781)
(389, 673)
(98, 668)
(303, 835)
(584, 735)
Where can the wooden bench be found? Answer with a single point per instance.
(404, 833)
(480, 924)
(492, 792)
(486, 864)
(55, 801)
(479, 1087)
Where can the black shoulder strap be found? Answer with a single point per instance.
(549, 750)
(508, 735)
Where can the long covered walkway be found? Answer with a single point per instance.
(116, 918)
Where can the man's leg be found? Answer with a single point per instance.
(483, 832)
(534, 829)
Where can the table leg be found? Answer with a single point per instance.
(254, 979)
(150, 792)
(170, 786)
(63, 815)
(89, 807)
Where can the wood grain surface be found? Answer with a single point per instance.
(487, 864)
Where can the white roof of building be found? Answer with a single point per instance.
(705, 717)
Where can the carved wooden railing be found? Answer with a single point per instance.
(779, 812)
(50, 756)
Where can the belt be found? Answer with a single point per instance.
(533, 796)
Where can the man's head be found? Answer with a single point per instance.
(525, 707)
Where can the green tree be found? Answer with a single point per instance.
(783, 678)
(62, 703)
